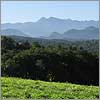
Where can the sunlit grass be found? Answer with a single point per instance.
(25, 88)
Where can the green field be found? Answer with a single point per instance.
(25, 88)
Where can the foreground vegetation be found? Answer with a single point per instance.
(51, 63)
(56, 63)
(22, 88)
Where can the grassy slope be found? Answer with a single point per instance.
(22, 88)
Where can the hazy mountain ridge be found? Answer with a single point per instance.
(45, 26)
(87, 33)
(73, 34)
(12, 32)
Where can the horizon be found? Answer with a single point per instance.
(32, 11)
(47, 19)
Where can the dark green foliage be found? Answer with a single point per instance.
(7, 43)
(23, 45)
(89, 45)
(50, 63)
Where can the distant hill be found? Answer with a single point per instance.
(45, 26)
(12, 32)
(73, 34)
(76, 34)
(90, 45)
(55, 35)
(87, 33)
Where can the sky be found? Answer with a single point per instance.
(31, 11)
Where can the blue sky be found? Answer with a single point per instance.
(31, 11)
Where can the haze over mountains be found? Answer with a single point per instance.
(12, 32)
(53, 28)
(87, 33)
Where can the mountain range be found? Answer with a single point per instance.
(15, 32)
(53, 28)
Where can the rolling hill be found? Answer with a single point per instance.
(73, 34)
(85, 34)
(76, 34)
(9, 32)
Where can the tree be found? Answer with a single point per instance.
(8, 43)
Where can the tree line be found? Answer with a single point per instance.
(49, 63)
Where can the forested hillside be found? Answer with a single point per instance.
(89, 45)
(57, 63)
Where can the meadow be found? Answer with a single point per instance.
(26, 88)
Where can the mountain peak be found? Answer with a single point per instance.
(42, 19)
(54, 18)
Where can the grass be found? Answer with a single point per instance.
(25, 88)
